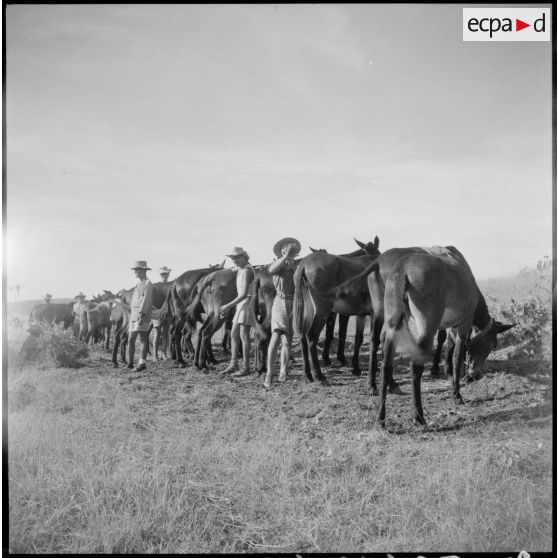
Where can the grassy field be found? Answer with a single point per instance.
(169, 460)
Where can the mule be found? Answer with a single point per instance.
(315, 280)
(213, 291)
(177, 299)
(426, 290)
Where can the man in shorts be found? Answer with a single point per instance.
(243, 318)
(282, 269)
(140, 315)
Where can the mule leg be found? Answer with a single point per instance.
(124, 346)
(441, 338)
(330, 327)
(211, 325)
(199, 346)
(305, 359)
(178, 343)
(375, 330)
(343, 322)
(387, 371)
(115, 349)
(458, 357)
(226, 341)
(359, 336)
(448, 361)
(107, 343)
(313, 336)
(416, 376)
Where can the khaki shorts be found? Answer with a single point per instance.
(244, 314)
(282, 315)
(142, 325)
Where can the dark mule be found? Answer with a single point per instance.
(53, 314)
(343, 321)
(160, 319)
(213, 291)
(98, 322)
(315, 279)
(120, 320)
(422, 293)
(263, 294)
(177, 299)
(377, 274)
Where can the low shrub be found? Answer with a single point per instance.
(52, 345)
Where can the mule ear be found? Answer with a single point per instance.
(223, 264)
(500, 328)
(312, 249)
(359, 243)
(376, 242)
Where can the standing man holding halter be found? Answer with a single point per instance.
(243, 318)
(140, 315)
(282, 269)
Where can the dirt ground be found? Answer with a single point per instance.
(509, 389)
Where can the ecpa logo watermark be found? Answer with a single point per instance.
(506, 24)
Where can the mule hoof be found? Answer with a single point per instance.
(326, 362)
(342, 361)
(357, 372)
(373, 391)
(395, 389)
(324, 381)
(458, 400)
(115, 365)
(419, 419)
(308, 380)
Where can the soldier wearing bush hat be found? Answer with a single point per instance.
(140, 314)
(243, 318)
(282, 269)
(164, 272)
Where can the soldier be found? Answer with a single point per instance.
(140, 315)
(243, 317)
(282, 269)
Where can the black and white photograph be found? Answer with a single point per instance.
(279, 278)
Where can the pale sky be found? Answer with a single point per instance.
(172, 133)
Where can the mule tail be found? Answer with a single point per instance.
(415, 346)
(193, 311)
(301, 289)
(258, 322)
(166, 308)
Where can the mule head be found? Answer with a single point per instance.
(481, 344)
(218, 266)
(370, 248)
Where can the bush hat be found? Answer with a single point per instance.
(79, 295)
(289, 239)
(140, 264)
(238, 251)
(164, 269)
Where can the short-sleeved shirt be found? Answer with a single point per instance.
(141, 306)
(283, 280)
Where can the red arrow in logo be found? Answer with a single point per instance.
(519, 25)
